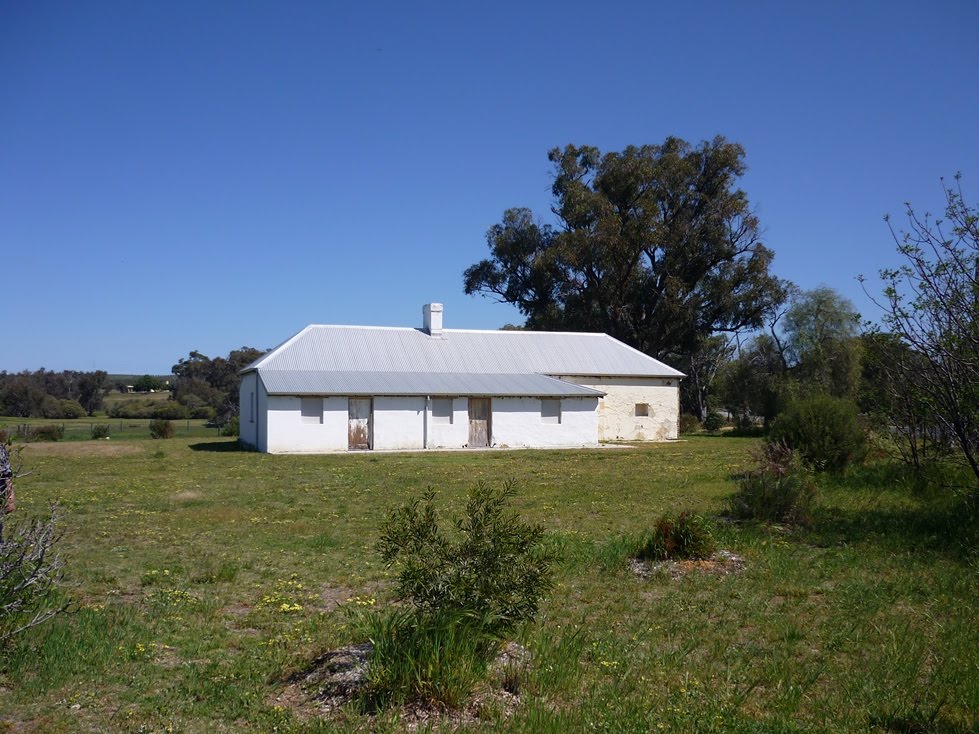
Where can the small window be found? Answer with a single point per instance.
(442, 410)
(550, 411)
(312, 410)
(642, 410)
(251, 408)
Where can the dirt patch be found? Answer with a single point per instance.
(187, 495)
(721, 563)
(76, 449)
(332, 597)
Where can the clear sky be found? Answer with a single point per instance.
(207, 175)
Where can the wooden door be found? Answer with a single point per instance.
(480, 422)
(359, 424)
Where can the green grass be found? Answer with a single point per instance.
(203, 577)
(80, 429)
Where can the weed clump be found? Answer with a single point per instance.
(686, 536)
(779, 489)
(100, 430)
(160, 428)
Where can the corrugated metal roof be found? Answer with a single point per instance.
(359, 349)
(326, 382)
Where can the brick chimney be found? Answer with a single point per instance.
(432, 313)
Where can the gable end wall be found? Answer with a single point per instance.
(617, 419)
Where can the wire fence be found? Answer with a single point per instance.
(93, 428)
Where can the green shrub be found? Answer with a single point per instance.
(688, 424)
(160, 428)
(100, 430)
(713, 422)
(50, 408)
(684, 536)
(463, 593)
(205, 412)
(72, 409)
(824, 430)
(424, 658)
(134, 408)
(779, 489)
(231, 428)
(495, 569)
(170, 410)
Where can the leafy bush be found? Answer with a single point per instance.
(100, 430)
(160, 428)
(48, 432)
(231, 428)
(496, 570)
(824, 430)
(170, 410)
(50, 407)
(436, 658)
(688, 424)
(135, 408)
(780, 489)
(204, 411)
(713, 422)
(684, 536)
(72, 409)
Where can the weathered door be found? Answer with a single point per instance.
(479, 422)
(359, 428)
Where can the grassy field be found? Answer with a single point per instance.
(184, 553)
(80, 429)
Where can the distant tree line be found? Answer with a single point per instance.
(211, 385)
(47, 394)
(201, 387)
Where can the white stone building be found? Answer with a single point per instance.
(340, 388)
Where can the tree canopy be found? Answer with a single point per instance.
(43, 393)
(654, 245)
(931, 306)
(201, 380)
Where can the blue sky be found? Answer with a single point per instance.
(178, 176)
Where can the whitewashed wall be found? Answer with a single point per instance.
(289, 432)
(452, 435)
(262, 417)
(248, 410)
(399, 423)
(517, 422)
(402, 422)
(617, 419)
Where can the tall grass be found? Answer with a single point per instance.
(861, 621)
(428, 658)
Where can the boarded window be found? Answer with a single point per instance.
(642, 410)
(442, 410)
(312, 410)
(550, 411)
